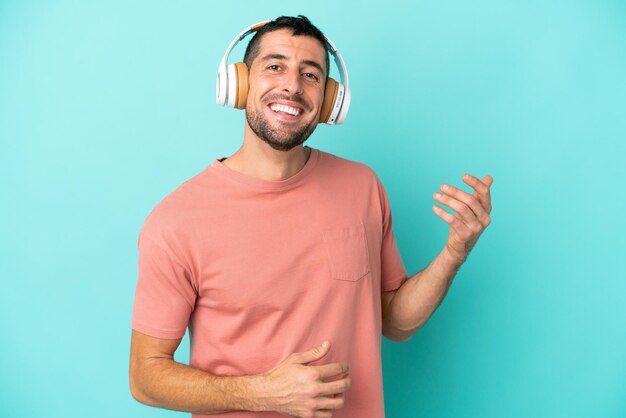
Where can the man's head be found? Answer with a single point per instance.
(299, 26)
(288, 65)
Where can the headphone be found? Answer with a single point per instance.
(232, 83)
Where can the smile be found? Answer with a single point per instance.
(294, 111)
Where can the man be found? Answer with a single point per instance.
(281, 260)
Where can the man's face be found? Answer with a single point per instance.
(287, 80)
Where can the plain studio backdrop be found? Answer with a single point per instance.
(106, 107)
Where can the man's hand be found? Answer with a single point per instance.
(408, 308)
(301, 390)
(472, 214)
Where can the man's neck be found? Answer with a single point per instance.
(257, 159)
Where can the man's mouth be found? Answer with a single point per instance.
(285, 109)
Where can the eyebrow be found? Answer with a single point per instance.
(312, 63)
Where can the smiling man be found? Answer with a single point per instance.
(281, 260)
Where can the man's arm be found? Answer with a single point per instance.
(406, 309)
(291, 388)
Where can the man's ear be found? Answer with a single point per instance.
(242, 85)
(330, 95)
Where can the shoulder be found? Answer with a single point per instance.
(355, 170)
(173, 211)
(354, 176)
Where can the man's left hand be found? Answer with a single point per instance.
(472, 214)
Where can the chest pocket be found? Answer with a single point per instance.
(347, 253)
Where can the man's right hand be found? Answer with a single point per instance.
(298, 389)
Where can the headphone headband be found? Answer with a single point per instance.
(227, 88)
(239, 38)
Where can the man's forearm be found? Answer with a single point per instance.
(293, 388)
(165, 383)
(416, 300)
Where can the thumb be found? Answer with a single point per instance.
(311, 355)
(488, 180)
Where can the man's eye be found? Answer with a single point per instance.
(273, 67)
(311, 76)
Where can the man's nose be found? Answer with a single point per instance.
(292, 83)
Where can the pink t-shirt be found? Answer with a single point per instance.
(261, 269)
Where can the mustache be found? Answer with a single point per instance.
(294, 98)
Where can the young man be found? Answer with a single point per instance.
(282, 262)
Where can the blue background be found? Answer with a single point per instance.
(106, 107)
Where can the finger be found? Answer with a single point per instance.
(329, 402)
(336, 387)
(481, 189)
(471, 201)
(455, 223)
(311, 355)
(464, 212)
(331, 370)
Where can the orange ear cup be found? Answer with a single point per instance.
(241, 69)
(330, 94)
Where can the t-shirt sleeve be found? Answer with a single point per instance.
(393, 272)
(164, 296)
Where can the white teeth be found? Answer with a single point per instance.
(284, 108)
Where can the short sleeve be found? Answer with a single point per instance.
(164, 296)
(393, 272)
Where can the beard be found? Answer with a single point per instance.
(276, 138)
